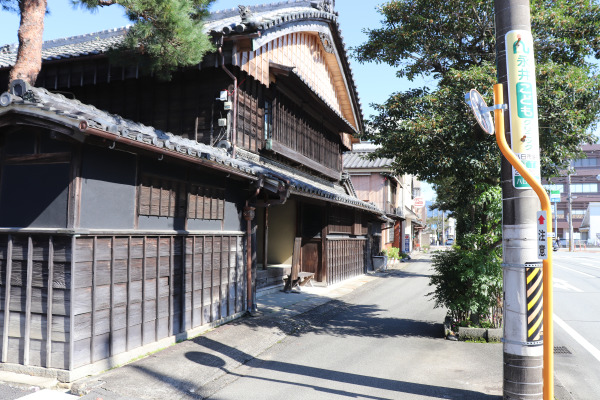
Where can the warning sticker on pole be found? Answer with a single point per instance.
(534, 290)
(522, 101)
(542, 235)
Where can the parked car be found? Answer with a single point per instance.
(449, 242)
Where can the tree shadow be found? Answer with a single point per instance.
(339, 318)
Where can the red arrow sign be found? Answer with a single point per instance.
(541, 219)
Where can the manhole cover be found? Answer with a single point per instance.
(561, 350)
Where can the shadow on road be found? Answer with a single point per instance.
(303, 371)
(339, 318)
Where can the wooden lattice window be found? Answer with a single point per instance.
(162, 197)
(340, 220)
(206, 202)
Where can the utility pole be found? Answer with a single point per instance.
(523, 354)
(443, 230)
(570, 203)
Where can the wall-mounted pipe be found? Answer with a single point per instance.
(235, 99)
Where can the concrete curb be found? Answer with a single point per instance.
(489, 335)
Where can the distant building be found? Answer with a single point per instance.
(584, 192)
(374, 182)
(435, 227)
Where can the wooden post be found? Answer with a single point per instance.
(266, 238)
(49, 302)
(28, 301)
(7, 299)
(128, 305)
(94, 272)
(193, 285)
(249, 216)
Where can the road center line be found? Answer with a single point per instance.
(579, 272)
(578, 338)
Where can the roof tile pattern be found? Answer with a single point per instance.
(359, 159)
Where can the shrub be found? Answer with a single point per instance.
(393, 253)
(468, 282)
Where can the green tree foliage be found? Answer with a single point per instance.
(431, 133)
(166, 34)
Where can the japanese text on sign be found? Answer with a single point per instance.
(522, 100)
(542, 235)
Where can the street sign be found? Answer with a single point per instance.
(542, 235)
(555, 196)
(522, 101)
(418, 202)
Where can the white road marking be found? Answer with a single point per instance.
(578, 338)
(590, 265)
(562, 284)
(579, 272)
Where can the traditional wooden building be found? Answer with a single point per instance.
(375, 182)
(118, 237)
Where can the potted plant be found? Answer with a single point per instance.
(380, 261)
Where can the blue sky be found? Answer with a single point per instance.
(375, 82)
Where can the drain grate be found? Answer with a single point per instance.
(561, 350)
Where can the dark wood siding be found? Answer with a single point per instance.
(35, 282)
(345, 259)
(250, 124)
(186, 105)
(299, 132)
(134, 290)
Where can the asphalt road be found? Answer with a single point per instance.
(383, 341)
(577, 322)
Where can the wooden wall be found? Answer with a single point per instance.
(298, 131)
(370, 188)
(35, 283)
(139, 289)
(303, 50)
(125, 291)
(345, 258)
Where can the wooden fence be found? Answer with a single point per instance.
(68, 301)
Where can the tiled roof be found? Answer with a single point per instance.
(76, 46)
(359, 160)
(225, 21)
(72, 113)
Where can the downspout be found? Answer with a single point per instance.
(235, 99)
